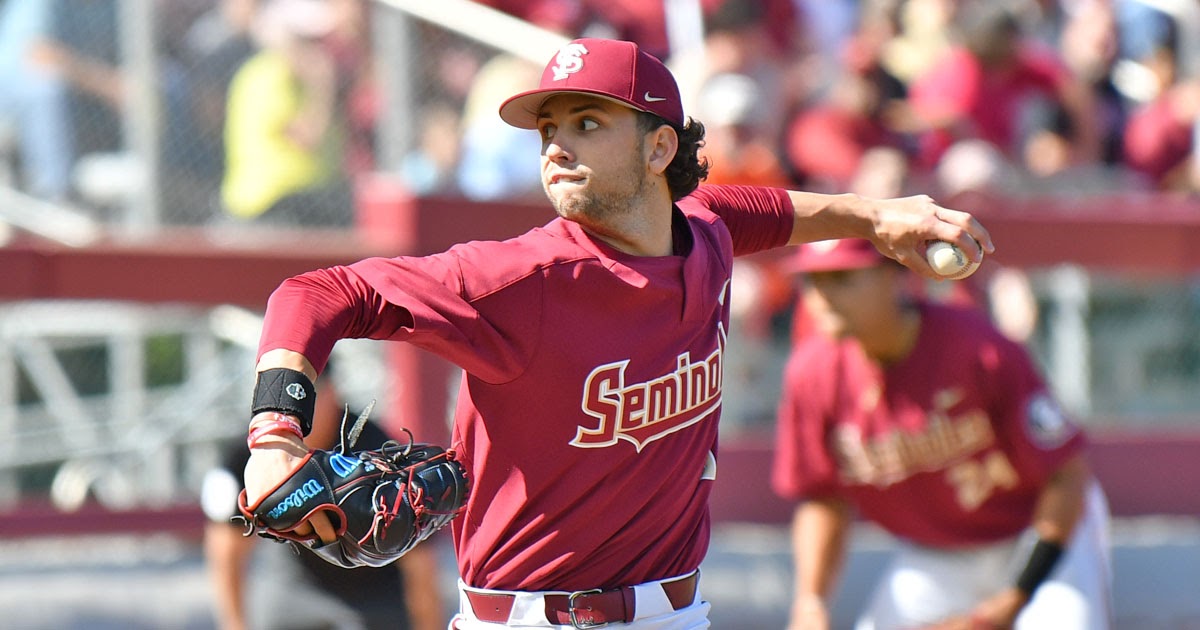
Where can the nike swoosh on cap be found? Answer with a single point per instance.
(653, 99)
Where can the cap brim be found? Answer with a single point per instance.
(521, 111)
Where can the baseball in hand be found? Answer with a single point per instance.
(949, 261)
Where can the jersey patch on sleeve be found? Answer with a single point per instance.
(1046, 423)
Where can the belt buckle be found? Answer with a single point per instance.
(575, 622)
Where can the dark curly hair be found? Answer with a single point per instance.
(688, 169)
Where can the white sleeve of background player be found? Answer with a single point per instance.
(219, 495)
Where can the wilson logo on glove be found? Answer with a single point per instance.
(308, 490)
(385, 502)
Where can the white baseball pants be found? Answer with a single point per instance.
(924, 585)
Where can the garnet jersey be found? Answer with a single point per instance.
(949, 446)
(588, 412)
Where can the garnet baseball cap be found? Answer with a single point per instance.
(836, 255)
(608, 68)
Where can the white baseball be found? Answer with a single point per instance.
(949, 261)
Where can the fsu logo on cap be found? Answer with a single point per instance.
(569, 60)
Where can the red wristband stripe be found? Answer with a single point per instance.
(281, 424)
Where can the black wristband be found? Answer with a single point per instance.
(1042, 559)
(285, 391)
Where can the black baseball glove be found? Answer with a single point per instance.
(381, 502)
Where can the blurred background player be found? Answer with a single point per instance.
(931, 423)
(303, 591)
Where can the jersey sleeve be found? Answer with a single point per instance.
(1039, 434)
(758, 218)
(803, 466)
(308, 313)
(430, 301)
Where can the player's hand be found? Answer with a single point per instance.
(998, 612)
(904, 226)
(809, 613)
(272, 460)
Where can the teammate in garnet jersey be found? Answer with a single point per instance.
(931, 423)
(591, 347)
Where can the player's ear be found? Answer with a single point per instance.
(661, 146)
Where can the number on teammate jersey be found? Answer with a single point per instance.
(976, 480)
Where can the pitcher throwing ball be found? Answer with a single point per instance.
(592, 348)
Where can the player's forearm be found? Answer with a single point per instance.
(900, 228)
(281, 358)
(1061, 503)
(1058, 510)
(820, 217)
(226, 554)
(818, 544)
(421, 592)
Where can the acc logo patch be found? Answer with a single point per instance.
(1046, 423)
(569, 60)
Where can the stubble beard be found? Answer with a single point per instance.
(589, 206)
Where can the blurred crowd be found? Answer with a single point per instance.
(269, 110)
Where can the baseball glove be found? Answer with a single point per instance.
(381, 502)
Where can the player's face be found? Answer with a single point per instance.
(849, 303)
(593, 158)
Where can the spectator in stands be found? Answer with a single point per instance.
(303, 591)
(358, 99)
(1145, 25)
(998, 86)
(33, 105)
(284, 137)
(498, 161)
(738, 39)
(216, 45)
(738, 146)
(431, 167)
(923, 35)
(827, 140)
(1046, 161)
(83, 49)
(1159, 139)
(825, 28)
(189, 154)
(1089, 44)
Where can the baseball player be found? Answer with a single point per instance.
(926, 420)
(592, 348)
